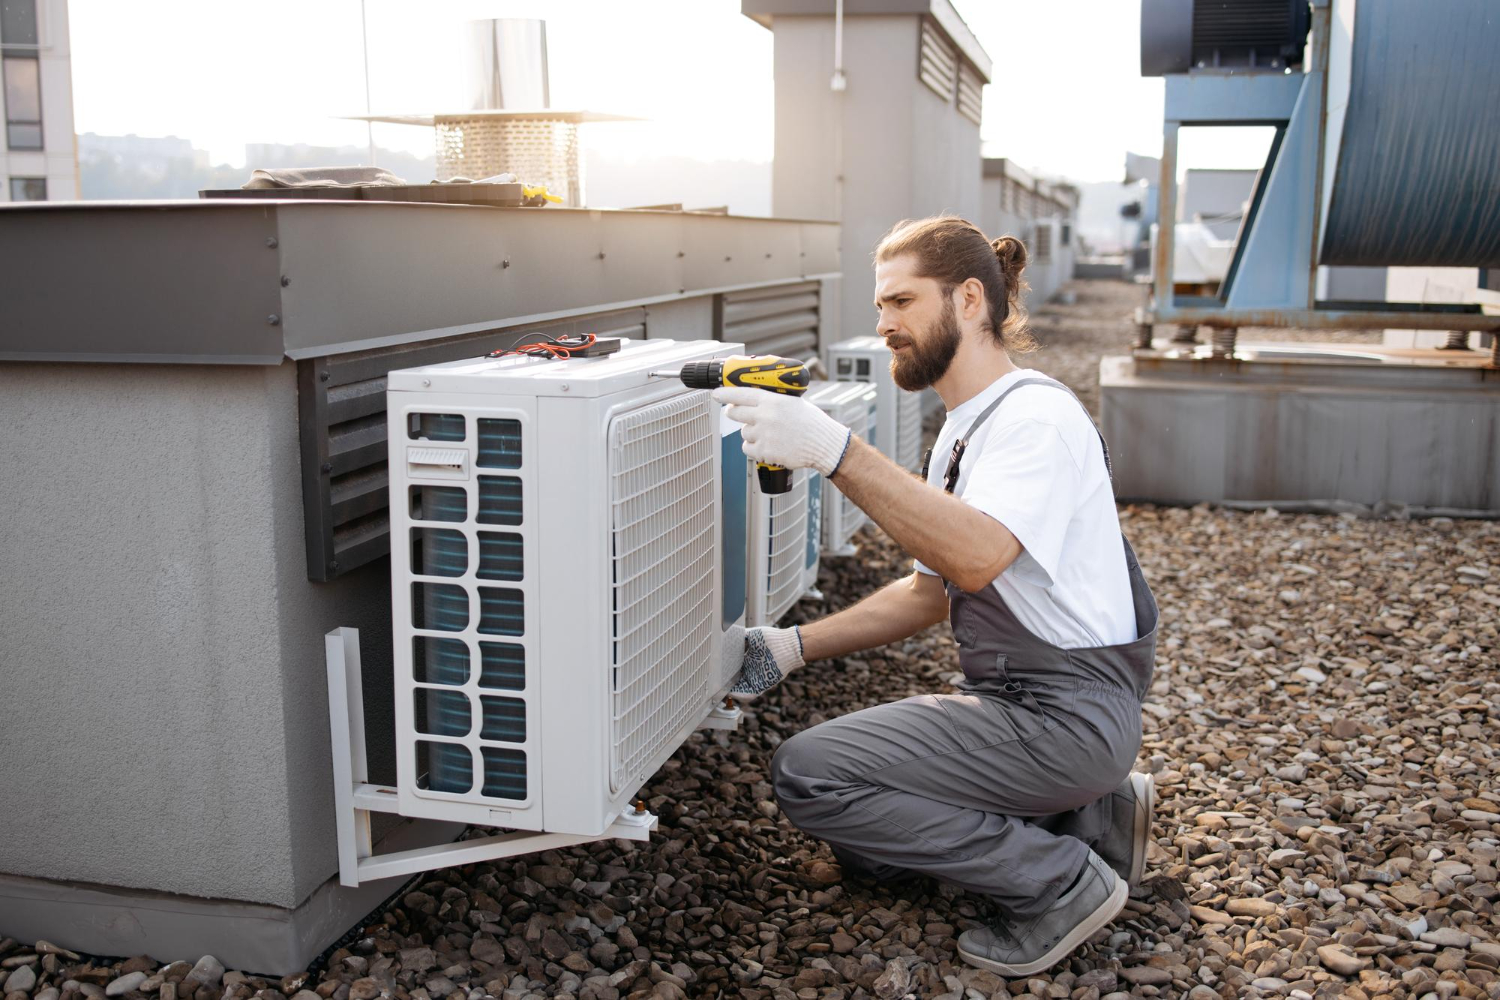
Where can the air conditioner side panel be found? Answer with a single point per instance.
(574, 576)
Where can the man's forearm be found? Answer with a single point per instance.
(965, 545)
(896, 611)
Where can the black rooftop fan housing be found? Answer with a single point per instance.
(1178, 36)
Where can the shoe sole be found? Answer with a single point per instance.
(1144, 787)
(1106, 912)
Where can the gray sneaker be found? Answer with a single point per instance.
(1012, 949)
(1124, 843)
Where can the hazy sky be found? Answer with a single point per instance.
(1067, 100)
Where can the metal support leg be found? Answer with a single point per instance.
(726, 717)
(1224, 341)
(1458, 340)
(346, 722)
(1166, 220)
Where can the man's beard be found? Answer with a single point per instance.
(927, 359)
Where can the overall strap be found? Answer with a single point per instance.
(950, 477)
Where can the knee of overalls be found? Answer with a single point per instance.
(795, 771)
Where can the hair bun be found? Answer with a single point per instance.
(1012, 255)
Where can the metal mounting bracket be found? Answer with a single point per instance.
(354, 798)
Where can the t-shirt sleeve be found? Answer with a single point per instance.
(1026, 479)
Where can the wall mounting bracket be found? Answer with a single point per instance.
(355, 798)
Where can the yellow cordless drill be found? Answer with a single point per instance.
(761, 371)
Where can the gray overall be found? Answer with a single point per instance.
(1000, 788)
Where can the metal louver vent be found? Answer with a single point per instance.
(781, 320)
(341, 410)
(1042, 242)
(937, 63)
(970, 94)
(662, 496)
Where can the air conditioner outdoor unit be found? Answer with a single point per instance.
(784, 547)
(852, 404)
(563, 567)
(898, 426)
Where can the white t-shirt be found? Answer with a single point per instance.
(1037, 467)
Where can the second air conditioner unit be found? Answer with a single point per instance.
(897, 430)
(853, 404)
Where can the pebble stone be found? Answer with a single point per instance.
(1321, 728)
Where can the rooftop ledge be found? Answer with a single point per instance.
(254, 281)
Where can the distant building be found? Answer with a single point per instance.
(1041, 213)
(152, 156)
(38, 160)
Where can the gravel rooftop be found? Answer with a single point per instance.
(1320, 728)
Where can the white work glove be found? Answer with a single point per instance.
(786, 430)
(770, 654)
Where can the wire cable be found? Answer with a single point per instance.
(552, 348)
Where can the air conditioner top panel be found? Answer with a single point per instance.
(835, 394)
(871, 343)
(629, 368)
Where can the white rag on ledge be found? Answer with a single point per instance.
(323, 177)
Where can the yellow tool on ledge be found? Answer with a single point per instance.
(759, 371)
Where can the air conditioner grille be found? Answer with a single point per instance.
(499, 443)
(845, 516)
(908, 429)
(439, 661)
(502, 556)
(502, 611)
(439, 503)
(501, 665)
(436, 427)
(787, 541)
(504, 772)
(504, 719)
(499, 500)
(662, 494)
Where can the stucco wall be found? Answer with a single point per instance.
(161, 662)
(905, 154)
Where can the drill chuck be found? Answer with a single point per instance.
(702, 374)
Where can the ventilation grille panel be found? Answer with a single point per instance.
(782, 320)
(468, 690)
(787, 540)
(937, 63)
(662, 496)
(970, 94)
(908, 430)
(1042, 242)
(844, 516)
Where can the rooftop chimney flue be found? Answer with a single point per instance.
(505, 65)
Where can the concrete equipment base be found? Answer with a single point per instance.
(251, 937)
(1322, 426)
